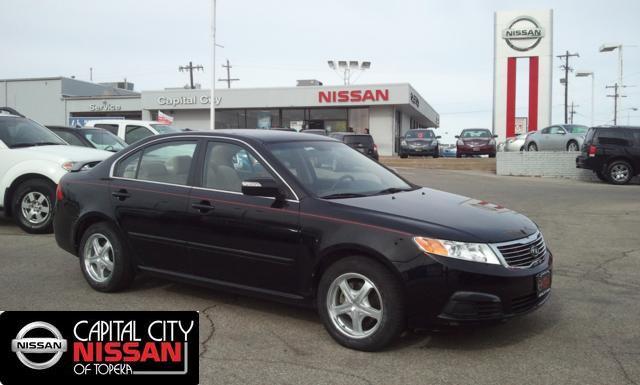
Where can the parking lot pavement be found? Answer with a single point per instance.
(588, 333)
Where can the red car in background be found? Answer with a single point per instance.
(476, 141)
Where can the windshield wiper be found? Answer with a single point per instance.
(18, 145)
(343, 195)
(392, 190)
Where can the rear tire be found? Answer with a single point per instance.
(436, 152)
(619, 172)
(378, 309)
(33, 204)
(573, 146)
(404, 156)
(458, 156)
(104, 260)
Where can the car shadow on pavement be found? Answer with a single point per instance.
(459, 337)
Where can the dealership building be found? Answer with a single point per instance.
(386, 111)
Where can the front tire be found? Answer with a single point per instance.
(104, 262)
(573, 146)
(403, 156)
(436, 152)
(33, 206)
(619, 172)
(532, 147)
(361, 304)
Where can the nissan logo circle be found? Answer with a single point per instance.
(39, 345)
(523, 34)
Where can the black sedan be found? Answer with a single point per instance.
(89, 137)
(306, 220)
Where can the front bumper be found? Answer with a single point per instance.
(426, 150)
(447, 291)
(476, 150)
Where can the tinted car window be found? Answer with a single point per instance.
(226, 165)
(419, 134)
(576, 129)
(556, 130)
(112, 128)
(128, 167)
(329, 168)
(21, 132)
(365, 140)
(167, 162)
(589, 137)
(476, 134)
(613, 135)
(69, 137)
(136, 133)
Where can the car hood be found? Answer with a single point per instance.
(475, 140)
(419, 140)
(448, 216)
(65, 153)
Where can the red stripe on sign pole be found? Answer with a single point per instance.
(533, 93)
(511, 97)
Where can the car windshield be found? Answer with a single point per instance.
(104, 140)
(420, 134)
(164, 129)
(18, 132)
(333, 170)
(365, 140)
(575, 129)
(476, 134)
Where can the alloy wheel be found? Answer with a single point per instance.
(573, 146)
(36, 207)
(98, 257)
(619, 172)
(354, 305)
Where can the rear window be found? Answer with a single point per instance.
(365, 140)
(613, 135)
(589, 137)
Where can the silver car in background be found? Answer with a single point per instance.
(515, 143)
(559, 137)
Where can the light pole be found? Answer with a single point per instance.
(580, 74)
(345, 68)
(610, 48)
(634, 109)
(212, 123)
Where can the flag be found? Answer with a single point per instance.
(164, 118)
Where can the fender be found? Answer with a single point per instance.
(46, 169)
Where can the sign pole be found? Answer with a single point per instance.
(213, 67)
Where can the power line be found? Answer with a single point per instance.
(228, 79)
(566, 69)
(190, 68)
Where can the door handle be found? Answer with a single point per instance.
(203, 206)
(121, 194)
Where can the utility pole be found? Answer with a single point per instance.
(615, 97)
(566, 69)
(573, 110)
(228, 79)
(90, 73)
(190, 68)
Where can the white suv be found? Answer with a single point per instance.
(32, 161)
(132, 131)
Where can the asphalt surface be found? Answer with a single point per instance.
(588, 332)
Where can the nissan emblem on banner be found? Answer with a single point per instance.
(114, 347)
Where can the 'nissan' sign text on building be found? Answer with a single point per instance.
(353, 96)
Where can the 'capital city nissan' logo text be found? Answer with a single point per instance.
(39, 345)
(523, 34)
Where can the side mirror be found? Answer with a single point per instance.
(494, 136)
(562, 132)
(439, 136)
(262, 187)
(457, 136)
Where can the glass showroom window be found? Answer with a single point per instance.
(230, 119)
(293, 118)
(263, 118)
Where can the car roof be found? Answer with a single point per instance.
(259, 135)
(348, 134)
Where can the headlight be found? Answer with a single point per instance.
(68, 166)
(403, 143)
(474, 252)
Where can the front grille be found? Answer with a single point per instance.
(523, 253)
(526, 302)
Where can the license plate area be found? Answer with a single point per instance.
(543, 283)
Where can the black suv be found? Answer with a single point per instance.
(361, 142)
(613, 153)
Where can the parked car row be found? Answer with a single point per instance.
(470, 142)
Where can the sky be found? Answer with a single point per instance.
(443, 48)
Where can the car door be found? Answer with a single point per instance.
(149, 194)
(238, 240)
(549, 137)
